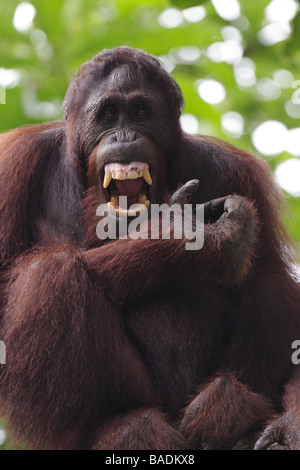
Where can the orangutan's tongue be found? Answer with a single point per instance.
(130, 188)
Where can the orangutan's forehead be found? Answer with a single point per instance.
(122, 82)
(125, 79)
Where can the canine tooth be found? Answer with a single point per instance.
(114, 200)
(140, 174)
(147, 177)
(142, 198)
(122, 212)
(120, 175)
(111, 208)
(132, 175)
(131, 213)
(107, 179)
(140, 208)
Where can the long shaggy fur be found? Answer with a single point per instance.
(141, 344)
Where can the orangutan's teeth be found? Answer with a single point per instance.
(140, 174)
(120, 175)
(112, 208)
(147, 177)
(142, 198)
(107, 180)
(132, 175)
(114, 200)
(139, 208)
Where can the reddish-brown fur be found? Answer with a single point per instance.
(140, 344)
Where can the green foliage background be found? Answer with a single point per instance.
(78, 29)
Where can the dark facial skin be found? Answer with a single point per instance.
(124, 120)
(124, 102)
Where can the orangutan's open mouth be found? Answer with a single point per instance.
(132, 180)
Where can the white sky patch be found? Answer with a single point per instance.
(288, 176)
(227, 9)
(230, 32)
(242, 23)
(284, 78)
(281, 10)
(194, 14)
(292, 109)
(186, 54)
(268, 89)
(274, 33)
(168, 63)
(233, 124)
(24, 16)
(211, 91)
(244, 72)
(270, 138)
(229, 51)
(170, 18)
(39, 39)
(293, 142)
(36, 109)
(9, 78)
(189, 123)
(273, 137)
